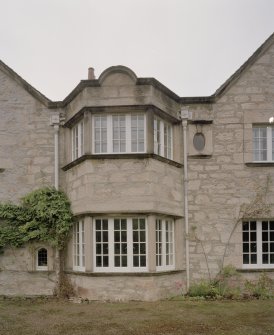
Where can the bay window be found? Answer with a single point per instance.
(164, 244)
(79, 246)
(77, 140)
(263, 143)
(119, 133)
(120, 244)
(162, 138)
(258, 244)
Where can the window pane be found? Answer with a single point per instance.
(253, 258)
(249, 235)
(78, 244)
(137, 133)
(102, 247)
(42, 257)
(260, 143)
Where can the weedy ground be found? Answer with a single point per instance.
(55, 317)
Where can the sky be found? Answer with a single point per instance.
(190, 46)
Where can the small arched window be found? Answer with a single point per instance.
(42, 259)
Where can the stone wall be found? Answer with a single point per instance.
(125, 186)
(26, 141)
(128, 287)
(220, 183)
(18, 273)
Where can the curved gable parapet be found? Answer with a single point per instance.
(117, 76)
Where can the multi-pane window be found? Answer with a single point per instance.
(164, 244)
(42, 259)
(137, 133)
(79, 246)
(120, 244)
(258, 244)
(119, 133)
(100, 133)
(263, 143)
(162, 138)
(78, 140)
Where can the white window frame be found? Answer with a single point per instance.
(111, 267)
(41, 267)
(162, 252)
(79, 246)
(269, 143)
(77, 140)
(110, 139)
(163, 140)
(259, 246)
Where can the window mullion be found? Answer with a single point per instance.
(162, 137)
(128, 133)
(259, 244)
(269, 143)
(129, 244)
(111, 243)
(109, 134)
(163, 224)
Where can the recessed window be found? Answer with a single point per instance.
(258, 244)
(199, 141)
(79, 246)
(120, 244)
(162, 138)
(164, 244)
(119, 133)
(263, 143)
(77, 140)
(42, 259)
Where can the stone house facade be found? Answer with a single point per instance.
(163, 188)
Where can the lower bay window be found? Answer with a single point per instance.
(258, 244)
(164, 244)
(120, 245)
(124, 244)
(79, 246)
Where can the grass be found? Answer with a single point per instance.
(33, 317)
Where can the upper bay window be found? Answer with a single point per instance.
(77, 140)
(162, 138)
(263, 143)
(119, 133)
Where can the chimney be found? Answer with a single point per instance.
(91, 74)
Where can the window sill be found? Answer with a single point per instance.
(124, 274)
(199, 156)
(259, 164)
(250, 270)
(121, 156)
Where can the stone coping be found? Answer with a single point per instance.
(120, 156)
(124, 274)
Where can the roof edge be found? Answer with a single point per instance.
(25, 85)
(250, 61)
